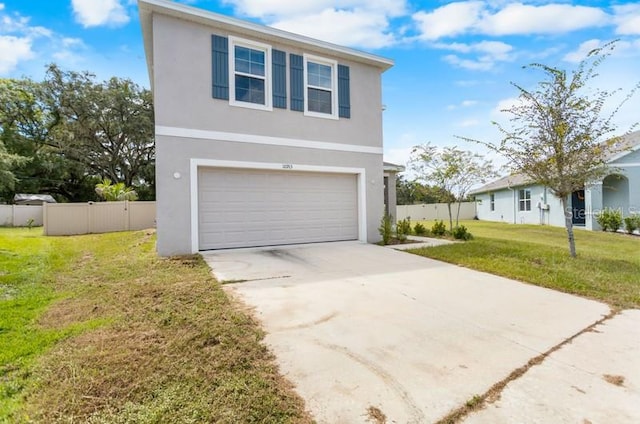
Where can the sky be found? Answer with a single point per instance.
(454, 60)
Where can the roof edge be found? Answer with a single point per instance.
(146, 9)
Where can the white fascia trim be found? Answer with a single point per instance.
(623, 153)
(262, 139)
(627, 165)
(237, 41)
(214, 163)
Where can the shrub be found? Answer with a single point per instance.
(386, 228)
(603, 220)
(632, 223)
(461, 233)
(439, 229)
(610, 219)
(403, 229)
(419, 229)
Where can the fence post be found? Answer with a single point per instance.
(44, 218)
(127, 215)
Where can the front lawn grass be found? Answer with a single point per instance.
(98, 329)
(607, 267)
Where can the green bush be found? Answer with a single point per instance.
(461, 233)
(386, 228)
(403, 229)
(632, 223)
(420, 230)
(610, 219)
(439, 229)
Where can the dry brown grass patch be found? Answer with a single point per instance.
(175, 348)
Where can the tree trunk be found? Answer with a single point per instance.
(458, 214)
(568, 224)
(450, 216)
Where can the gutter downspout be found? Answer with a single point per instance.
(515, 206)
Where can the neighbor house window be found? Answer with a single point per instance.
(524, 199)
(492, 202)
(320, 80)
(250, 74)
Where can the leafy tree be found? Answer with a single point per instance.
(115, 192)
(108, 126)
(452, 171)
(558, 135)
(75, 132)
(28, 122)
(7, 162)
(414, 192)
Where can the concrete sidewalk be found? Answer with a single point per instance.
(355, 326)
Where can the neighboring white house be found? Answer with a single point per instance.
(513, 199)
(263, 137)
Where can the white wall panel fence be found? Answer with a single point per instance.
(19, 215)
(433, 211)
(100, 217)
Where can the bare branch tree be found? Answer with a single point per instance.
(453, 171)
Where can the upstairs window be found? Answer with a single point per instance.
(320, 80)
(524, 200)
(250, 74)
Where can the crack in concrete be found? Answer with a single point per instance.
(493, 394)
(227, 282)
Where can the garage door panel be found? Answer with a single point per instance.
(242, 208)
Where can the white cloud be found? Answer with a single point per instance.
(1, 6)
(289, 8)
(582, 51)
(449, 20)
(623, 48)
(502, 18)
(518, 18)
(463, 104)
(354, 28)
(490, 53)
(12, 51)
(362, 23)
(627, 19)
(66, 50)
(21, 43)
(505, 104)
(473, 65)
(90, 13)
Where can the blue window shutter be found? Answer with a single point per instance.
(344, 97)
(279, 65)
(220, 67)
(296, 75)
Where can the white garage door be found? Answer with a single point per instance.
(249, 208)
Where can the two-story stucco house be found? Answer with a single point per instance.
(263, 137)
(515, 199)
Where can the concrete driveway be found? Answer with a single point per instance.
(356, 326)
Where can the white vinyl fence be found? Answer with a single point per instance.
(433, 211)
(19, 215)
(62, 219)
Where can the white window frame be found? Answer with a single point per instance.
(334, 86)
(522, 201)
(268, 98)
